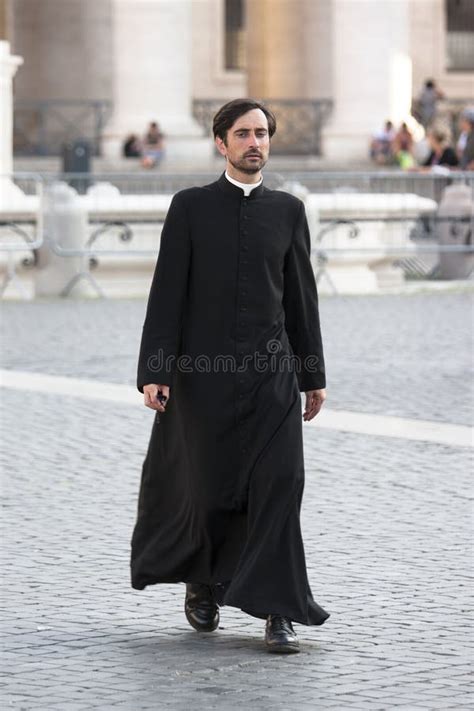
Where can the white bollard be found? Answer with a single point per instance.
(65, 230)
(456, 202)
(8, 66)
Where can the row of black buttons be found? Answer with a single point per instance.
(243, 308)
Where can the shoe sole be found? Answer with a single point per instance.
(283, 649)
(201, 628)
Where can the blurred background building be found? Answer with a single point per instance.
(367, 93)
(334, 70)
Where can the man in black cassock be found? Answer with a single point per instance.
(230, 339)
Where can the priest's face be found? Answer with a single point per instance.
(247, 145)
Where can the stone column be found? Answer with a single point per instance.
(8, 66)
(5, 20)
(316, 19)
(428, 46)
(275, 49)
(152, 75)
(67, 45)
(372, 75)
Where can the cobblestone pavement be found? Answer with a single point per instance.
(387, 526)
(407, 355)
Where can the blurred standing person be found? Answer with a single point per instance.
(153, 146)
(427, 103)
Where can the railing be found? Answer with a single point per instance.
(389, 218)
(299, 122)
(41, 128)
(415, 231)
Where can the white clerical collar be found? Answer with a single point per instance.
(246, 187)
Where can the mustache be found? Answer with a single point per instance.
(253, 153)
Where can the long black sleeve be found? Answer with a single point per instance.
(300, 302)
(162, 326)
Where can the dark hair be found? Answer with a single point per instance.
(439, 134)
(230, 112)
(429, 84)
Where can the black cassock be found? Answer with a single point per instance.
(232, 326)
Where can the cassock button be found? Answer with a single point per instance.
(244, 450)
(245, 232)
(243, 308)
(242, 323)
(245, 248)
(244, 277)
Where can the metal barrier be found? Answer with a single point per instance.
(381, 222)
(104, 224)
(423, 221)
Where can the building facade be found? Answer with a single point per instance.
(361, 61)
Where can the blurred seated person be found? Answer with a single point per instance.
(441, 154)
(403, 147)
(381, 146)
(465, 144)
(153, 146)
(132, 147)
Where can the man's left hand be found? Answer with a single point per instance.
(314, 402)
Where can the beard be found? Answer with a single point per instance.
(247, 166)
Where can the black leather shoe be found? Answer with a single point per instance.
(200, 608)
(280, 637)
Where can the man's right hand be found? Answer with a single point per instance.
(150, 393)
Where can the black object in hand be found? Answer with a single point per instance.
(162, 399)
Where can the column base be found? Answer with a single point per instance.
(344, 145)
(187, 149)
